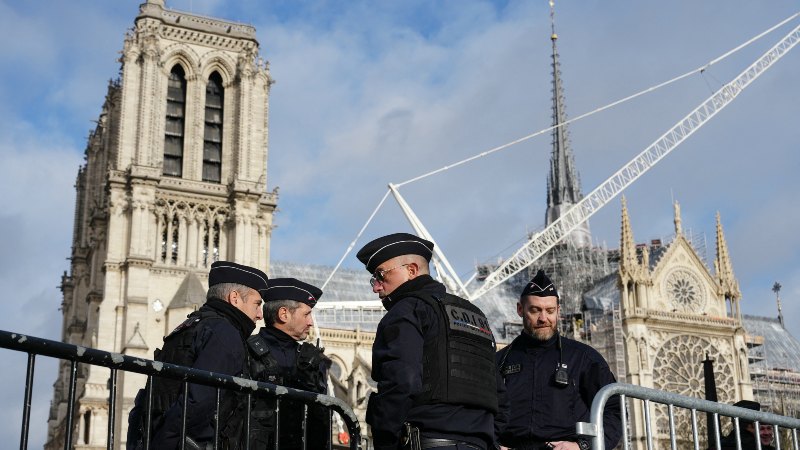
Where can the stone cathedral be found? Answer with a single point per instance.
(175, 178)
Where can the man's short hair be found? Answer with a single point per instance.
(222, 290)
(271, 309)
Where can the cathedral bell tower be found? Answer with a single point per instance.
(175, 178)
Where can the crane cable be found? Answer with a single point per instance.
(700, 69)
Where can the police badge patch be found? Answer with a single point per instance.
(511, 369)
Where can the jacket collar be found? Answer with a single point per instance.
(237, 318)
(424, 283)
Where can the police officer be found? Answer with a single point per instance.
(211, 339)
(433, 355)
(551, 380)
(279, 357)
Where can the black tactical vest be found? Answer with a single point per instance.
(458, 366)
(178, 349)
(305, 374)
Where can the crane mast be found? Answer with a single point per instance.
(545, 240)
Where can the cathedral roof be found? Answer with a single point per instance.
(500, 307)
(779, 350)
(190, 293)
(605, 294)
(346, 284)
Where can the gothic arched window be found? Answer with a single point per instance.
(174, 129)
(212, 134)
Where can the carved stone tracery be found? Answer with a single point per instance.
(678, 368)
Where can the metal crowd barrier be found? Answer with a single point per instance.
(34, 346)
(594, 429)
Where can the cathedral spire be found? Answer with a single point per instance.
(722, 264)
(628, 262)
(563, 184)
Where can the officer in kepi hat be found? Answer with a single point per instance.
(278, 355)
(419, 402)
(551, 380)
(213, 338)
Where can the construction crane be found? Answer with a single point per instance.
(444, 270)
(546, 239)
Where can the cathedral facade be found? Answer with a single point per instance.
(675, 313)
(174, 179)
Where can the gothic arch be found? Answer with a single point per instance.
(219, 62)
(345, 370)
(183, 55)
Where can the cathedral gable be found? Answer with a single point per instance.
(683, 284)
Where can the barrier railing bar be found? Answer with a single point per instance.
(330, 429)
(669, 398)
(182, 445)
(112, 404)
(305, 424)
(623, 408)
(694, 430)
(148, 412)
(277, 423)
(673, 444)
(757, 428)
(738, 433)
(217, 402)
(247, 421)
(717, 439)
(78, 354)
(648, 427)
(73, 381)
(26, 402)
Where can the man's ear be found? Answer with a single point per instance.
(283, 314)
(413, 269)
(519, 308)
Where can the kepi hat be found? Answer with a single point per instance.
(291, 289)
(540, 286)
(385, 248)
(230, 272)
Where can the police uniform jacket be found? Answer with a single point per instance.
(219, 346)
(542, 410)
(397, 368)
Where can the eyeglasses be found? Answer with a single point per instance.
(378, 276)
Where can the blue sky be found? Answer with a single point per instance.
(369, 93)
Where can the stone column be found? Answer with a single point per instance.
(183, 231)
(191, 243)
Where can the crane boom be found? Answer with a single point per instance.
(543, 241)
(443, 268)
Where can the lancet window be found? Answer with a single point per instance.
(175, 121)
(212, 134)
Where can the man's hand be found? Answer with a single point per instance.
(563, 445)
